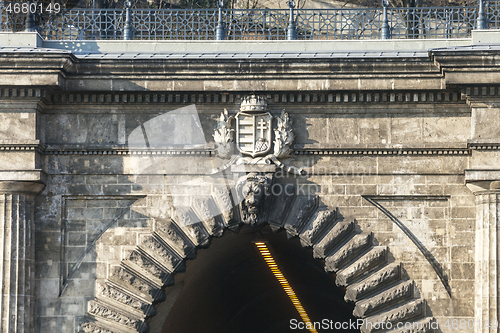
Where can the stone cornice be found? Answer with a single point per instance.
(53, 100)
(63, 69)
(418, 151)
(41, 60)
(384, 149)
(209, 150)
(469, 65)
(484, 144)
(384, 152)
(287, 66)
(23, 176)
(466, 57)
(474, 175)
(408, 197)
(286, 97)
(19, 145)
(24, 68)
(136, 152)
(481, 96)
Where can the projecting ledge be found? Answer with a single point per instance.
(28, 182)
(251, 46)
(33, 39)
(482, 180)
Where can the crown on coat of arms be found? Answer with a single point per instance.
(253, 104)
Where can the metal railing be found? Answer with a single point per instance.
(255, 24)
(448, 22)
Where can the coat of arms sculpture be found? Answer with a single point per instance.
(253, 127)
(254, 135)
(254, 138)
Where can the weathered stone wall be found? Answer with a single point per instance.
(88, 188)
(405, 149)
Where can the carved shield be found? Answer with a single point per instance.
(253, 133)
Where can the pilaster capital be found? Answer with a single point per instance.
(26, 182)
(482, 181)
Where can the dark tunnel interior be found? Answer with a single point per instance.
(229, 288)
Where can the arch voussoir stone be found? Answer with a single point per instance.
(407, 312)
(136, 283)
(302, 209)
(355, 246)
(374, 285)
(114, 293)
(403, 291)
(149, 268)
(383, 277)
(174, 237)
(186, 218)
(98, 327)
(332, 239)
(375, 257)
(164, 256)
(207, 211)
(226, 206)
(315, 229)
(122, 319)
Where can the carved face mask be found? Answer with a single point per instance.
(253, 193)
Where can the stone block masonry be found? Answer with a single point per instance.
(95, 225)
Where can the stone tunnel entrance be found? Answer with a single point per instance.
(229, 288)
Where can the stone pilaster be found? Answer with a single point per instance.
(21, 179)
(17, 254)
(486, 258)
(487, 280)
(483, 180)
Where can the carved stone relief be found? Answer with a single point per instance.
(253, 189)
(375, 284)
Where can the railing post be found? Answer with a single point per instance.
(292, 33)
(127, 31)
(30, 19)
(386, 32)
(481, 17)
(220, 32)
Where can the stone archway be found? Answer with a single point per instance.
(230, 288)
(377, 286)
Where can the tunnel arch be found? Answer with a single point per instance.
(230, 288)
(378, 288)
